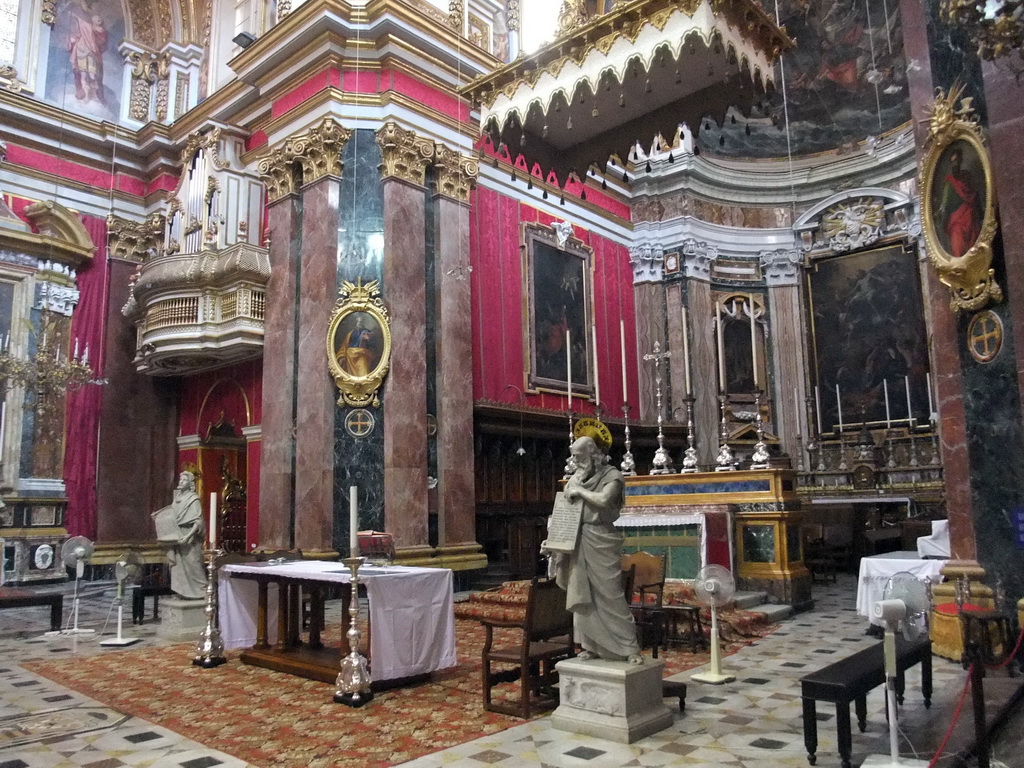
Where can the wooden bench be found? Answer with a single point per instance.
(850, 679)
(23, 598)
(139, 595)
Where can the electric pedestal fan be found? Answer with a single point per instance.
(903, 607)
(76, 552)
(127, 571)
(714, 587)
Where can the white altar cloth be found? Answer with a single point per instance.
(875, 572)
(412, 616)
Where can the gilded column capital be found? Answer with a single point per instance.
(405, 155)
(456, 173)
(318, 150)
(135, 240)
(279, 173)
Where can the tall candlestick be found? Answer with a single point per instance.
(839, 407)
(753, 339)
(213, 520)
(721, 347)
(353, 521)
(885, 387)
(568, 367)
(75, 355)
(910, 413)
(597, 376)
(622, 340)
(817, 406)
(796, 409)
(686, 354)
(928, 386)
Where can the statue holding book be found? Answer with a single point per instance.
(590, 569)
(180, 529)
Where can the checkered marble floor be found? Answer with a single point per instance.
(754, 721)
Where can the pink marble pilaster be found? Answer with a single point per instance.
(704, 362)
(674, 372)
(454, 375)
(405, 389)
(788, 407)
(277, 463)
(649, 300)
(315, 393)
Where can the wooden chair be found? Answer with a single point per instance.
(545, 638)
(647, 598)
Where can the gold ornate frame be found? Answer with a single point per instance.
(359, 374)
(969, 277)
(538, 380)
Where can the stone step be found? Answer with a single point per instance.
(748, 600)
(775, 613)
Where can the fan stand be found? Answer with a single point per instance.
(714, 675)
(893, 759)
(120, 640)
(74, 629)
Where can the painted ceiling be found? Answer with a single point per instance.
(845, 81)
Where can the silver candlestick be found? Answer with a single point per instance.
(662, 464)
(690, 454)
(760, 458)
(210, 648)
(913, 447)
(570, 463)
(628, 465)
(353, 683)
(799, 453)
(842, 451)
(725, 461)
(935, 460)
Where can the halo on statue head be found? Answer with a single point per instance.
(594, 429)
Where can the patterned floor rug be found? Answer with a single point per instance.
(273, 719)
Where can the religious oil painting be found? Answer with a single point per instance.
(359, 343)
(84, 70)
(559, 286)
(869, 339)
(958, 198)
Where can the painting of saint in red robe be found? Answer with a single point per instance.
(84, 70)
(958, 198)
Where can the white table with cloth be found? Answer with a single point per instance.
(411, 610)
(875, 572)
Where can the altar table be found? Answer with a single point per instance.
(876, 570)
(411, 617)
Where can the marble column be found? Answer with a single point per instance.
(703, 355)
(277, 461)
(453, 341)
(405, 158)
(649, 302)
(315, 392)
(782, 275)
(675, 402)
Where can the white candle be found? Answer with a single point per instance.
(597, 376)
(885, 387)
(686, 354)
(839, 407)
(910, 413)
(353, 521)
(817, 407)
(85, 355)
(3, 422)
(76, 348)
(622, 340)
(753, 339)
(568, 367)
(928, 386)
(213, 520)
(721, 347)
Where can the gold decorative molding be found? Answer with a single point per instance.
(62, 231)
(456, 173)
(359, 343)
(9, 79)
(958, 202)
(303, 159)
(210, 141)
(405, 155)
(572, 15)
(456, 14)
(512, 16)
(135, 240)
(48, 14)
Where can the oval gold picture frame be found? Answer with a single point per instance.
(359, 344)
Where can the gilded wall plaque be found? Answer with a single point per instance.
(359, 344)
(985, 336)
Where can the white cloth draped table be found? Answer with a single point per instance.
(876, 571)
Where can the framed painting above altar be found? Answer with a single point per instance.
(557, 271)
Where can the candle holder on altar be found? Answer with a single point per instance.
(842, 451)
(570, 463)
(935, 460)
(628, 465)
(690, 454)
(760, 458)
(353, 683)
(891, 463)
(912, 448)
(662, 463)
(210, 648)
(725, 460)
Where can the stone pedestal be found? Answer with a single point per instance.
(181, 620)
(612, 700)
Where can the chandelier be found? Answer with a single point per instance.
(48, 374)
(997, 26)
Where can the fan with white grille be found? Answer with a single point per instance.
(714, 587)
(75, 553)
(127, 571)
(904, 608)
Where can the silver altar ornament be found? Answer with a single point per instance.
(725, 461)
(760, 458)
(353, 683)
(210, 648)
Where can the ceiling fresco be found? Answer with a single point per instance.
(844, 81)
